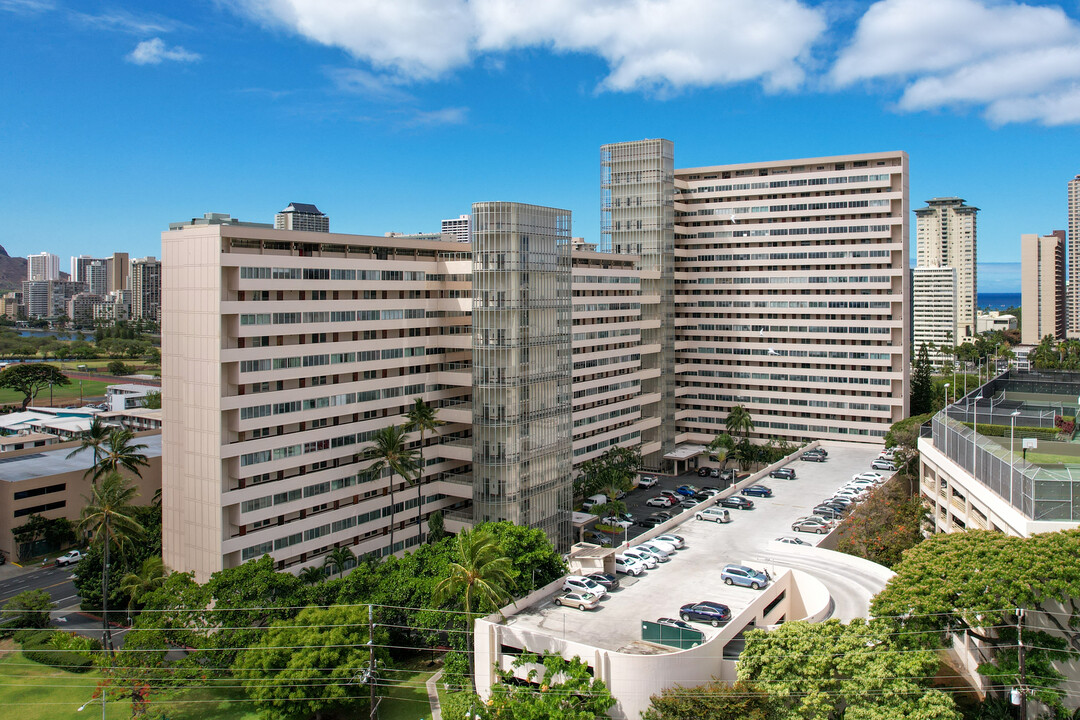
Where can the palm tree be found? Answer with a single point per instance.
(312, 574)
(739, 421)
(137, 585)
(421, 416)
(481, 576)
(109, 519)
(94, 438)
(119, 452)
(389, 452)
(337, 560)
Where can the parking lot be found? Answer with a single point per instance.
(693, 573)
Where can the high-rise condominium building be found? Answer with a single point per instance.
(303, 217)
(1073, 199)
(946, 237)
(79, 267)
(458, 227)
(1042, 285)
(145, 281)
(933, 310)
(43, 266)
(49, 298)
(95, 275)
(116, 272)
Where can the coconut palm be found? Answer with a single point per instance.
(739, 421)
(338, 560)
(94, 439)
(421, 417)
(480, 577)
(119, 452)
(389, 452)
(312, 574)
(136, 585)
(109, 518)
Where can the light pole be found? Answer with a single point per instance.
(1012, 448)
(83, 706)
(975, 440)
(946, 421)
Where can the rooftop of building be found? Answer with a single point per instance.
(212, 218)
(29, 465)
(306, 208)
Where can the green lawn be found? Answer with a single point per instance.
(31, 691)
(62, 395)
(408, 700)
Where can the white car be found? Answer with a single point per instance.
(677, 540)
(883, 465)
(613, 521)
(873, 477)
(647, 559)
(667, 547)
(662, 501)
(72, 557)
(582, 584)
(629, 566)
(791, 541)
(864, 484)
(647, 481)
(660, 554)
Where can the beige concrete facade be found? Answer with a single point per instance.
(946, 236)
(933, 310)
(791, 291)
(44, 481)
(1073, 205)
(1042, 287)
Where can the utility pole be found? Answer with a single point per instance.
(371, 676)
(1020, 653)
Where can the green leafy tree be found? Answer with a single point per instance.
(109, 519)
(567, 691)
(55, 532)
(149, 577)
(436, 527)
(714, 700)
(94, 439)
(922, 384)
(534, 562)
(610, 473)
(338, 560)
(970, 583)
(28, 609)
(31, 378)
(421, 418)
(310, 666)
(119, 452)
(822, 671)
(480, 576)
(312, 574)
(152, 400)
(739, 422)
(884, 527)
(117, 367)
(389, 452)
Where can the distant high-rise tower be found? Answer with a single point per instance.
(458, 227)
(145, 288)
(96, 277)
(1042, 284)
(933, 310)
(1074, 257)
(116, 272)
(80, 264)
(946, 237)
(43, 266)
(302, 216)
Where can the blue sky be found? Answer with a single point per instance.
(120, 117)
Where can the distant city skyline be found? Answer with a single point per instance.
(389, 123)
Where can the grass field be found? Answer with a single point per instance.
(408, 700)
(62, 395)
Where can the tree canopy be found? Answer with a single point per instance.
(715, 700)
(922, 384)
(558, 689)
(31, 378)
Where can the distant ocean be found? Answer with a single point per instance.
(998, 301)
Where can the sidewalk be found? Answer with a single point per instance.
(433, 695)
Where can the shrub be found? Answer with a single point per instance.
(117, 367)
(57, 649)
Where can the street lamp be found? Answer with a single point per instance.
(975, 440)
(946, 422)
(1012, 448)
(83, 706)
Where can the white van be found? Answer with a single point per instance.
(592, 501)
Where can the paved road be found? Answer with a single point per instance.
(57, 581)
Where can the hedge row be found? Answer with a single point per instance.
(37, 646)
(1005, 430)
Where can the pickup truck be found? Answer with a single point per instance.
(72, 557)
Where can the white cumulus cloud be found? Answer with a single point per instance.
(1018, 62)
(646, 43)
(154, 51)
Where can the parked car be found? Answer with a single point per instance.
(808, 525)
(819, 451)
(703, 472)
(592, 501)
(831, 522)
(647, 481)
(598, 538)
(757, 491)
(718, 515)
(580, 600)
(660, 555)
(71, 557)
(686, 490)
(666, 515)
(580, 583)
(883, 465)
(649, 560)
(628, 566)
(689, 503)
(677, 540)
(745, 576)
(828, 512)
(784, 473)
(710, 492)
(605, 580)
(787, 540)
(874, 477)
(662, 501)
(667, 547)
(738, 502)
(650, 522)
(732, 475)
(813, 457)
(617, 521)
(714, 472)
(672, 622)
(713, 613)
(671, 494)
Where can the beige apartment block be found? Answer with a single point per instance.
(946, 236)
(145, 280)
(283, 352)
(1073, 202)
(790, 296)
(933, 311)
(1042, 287)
